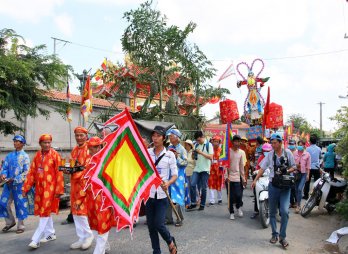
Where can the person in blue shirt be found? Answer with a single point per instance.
(330, 160)
(177, 190)
(14, 171)
(315, 153)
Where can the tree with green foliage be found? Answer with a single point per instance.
(25, 74)
(341, 118)
(197, 70)
(302, 125)
(162, 50)
(153, 45)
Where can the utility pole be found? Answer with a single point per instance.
(55, 43)
(321, 116)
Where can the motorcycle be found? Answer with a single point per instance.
(261, 191)
(326, 194)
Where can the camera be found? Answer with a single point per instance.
(281, 177)
(282, 168)
(195, 155)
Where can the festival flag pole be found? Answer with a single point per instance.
(173, 206)
(68, 110)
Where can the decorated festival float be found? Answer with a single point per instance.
(261, 116)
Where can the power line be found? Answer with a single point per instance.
(87, 46)
(216, 60)
(293, 57)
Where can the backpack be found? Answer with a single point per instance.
(207, 147)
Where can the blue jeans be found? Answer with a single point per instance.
(200, 179)
(282, 197)
(299, 188)
(155, 216)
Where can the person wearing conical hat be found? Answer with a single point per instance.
(14, 171)
(216, 172)
(44, 174)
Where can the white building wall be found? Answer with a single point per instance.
(55, 125)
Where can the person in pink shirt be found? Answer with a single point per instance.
(303, 165)
(234, 175)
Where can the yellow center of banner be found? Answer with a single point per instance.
(122, 179)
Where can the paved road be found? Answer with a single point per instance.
(208, 231)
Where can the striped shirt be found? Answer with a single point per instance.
(166, 169)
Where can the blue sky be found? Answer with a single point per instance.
(228, 31)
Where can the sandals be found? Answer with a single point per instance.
(178, 224)
(284, 243)
(7, 228)
(172, 247)
(273, 240)
(20, 231)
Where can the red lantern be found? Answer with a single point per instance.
(139, 108)
(228, 111)
(214, 100)
(275, 116)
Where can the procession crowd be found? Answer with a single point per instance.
(191, 172)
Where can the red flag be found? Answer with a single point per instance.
(103, 65)
(266, 110)
(123, 172)
(86, 102)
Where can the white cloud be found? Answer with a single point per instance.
(111, 2)
(64, 22)
(240, 21)
(29, 11)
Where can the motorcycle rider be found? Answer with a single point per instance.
(266, 148)
(273, 160)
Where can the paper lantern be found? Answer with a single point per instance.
(275, 116)
(228, 111)
(214, 100)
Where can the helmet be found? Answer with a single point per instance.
(276, 136)
(266, 147)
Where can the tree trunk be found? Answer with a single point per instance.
(197, 98)
(160, 90)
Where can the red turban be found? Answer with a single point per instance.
(94, 141)
(81, 129)
(45, 137)
(216, 138)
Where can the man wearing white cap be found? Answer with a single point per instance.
(177, 190)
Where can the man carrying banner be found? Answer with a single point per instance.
(80, 157)
(49, 186)
(157, 204)
(99, 220)
(216, 172)
(177, 190)
(14, 171)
